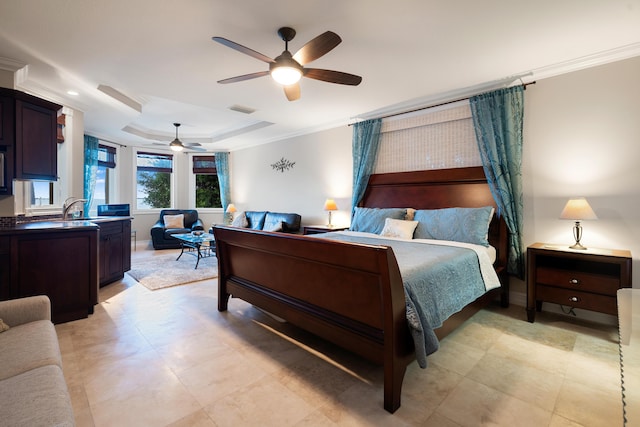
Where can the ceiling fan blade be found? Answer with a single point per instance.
(292, 91)
(317, 47)
(191, 144)
(243, 49)
(244, 77)
(332, 76)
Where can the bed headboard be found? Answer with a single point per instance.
(439, 188)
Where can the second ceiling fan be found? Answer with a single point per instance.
(287, 69)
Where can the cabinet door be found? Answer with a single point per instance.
(5, 268)
(36, 149)
(62, 266)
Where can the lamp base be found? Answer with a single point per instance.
(577, 245)
(577, 234)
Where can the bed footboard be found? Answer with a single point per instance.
(349, 294)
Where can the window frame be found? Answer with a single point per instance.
(192, 183)
(172, 180)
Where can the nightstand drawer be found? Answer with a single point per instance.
(578, 280)
(577, 299)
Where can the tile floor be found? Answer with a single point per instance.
(169, 358)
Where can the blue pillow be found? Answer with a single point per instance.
(371, 220)
(468, 225)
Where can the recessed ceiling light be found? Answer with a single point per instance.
(72, 93)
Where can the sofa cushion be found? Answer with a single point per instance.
(174, 221)
(240, 221)
(28, 346)
(38, 397)
(290, 221)
(255, 219)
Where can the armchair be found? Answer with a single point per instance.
(161, 235)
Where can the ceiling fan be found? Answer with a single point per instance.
(287, 69)
(177, 145)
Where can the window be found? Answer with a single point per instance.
(153, 179)
(104, 176)
(42, 193)
(207, 187)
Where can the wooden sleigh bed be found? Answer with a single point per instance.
(352, 294)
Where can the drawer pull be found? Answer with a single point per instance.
(574, 299)
(574, 281)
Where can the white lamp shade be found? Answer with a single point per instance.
(578, 209)
(231, 208)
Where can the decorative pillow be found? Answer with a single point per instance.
(174, 221)
(240, 221)
(468, 225)
(274, 227)
(371, 220)
(399, 228)
(3, 326)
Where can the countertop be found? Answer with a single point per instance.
(60, 225)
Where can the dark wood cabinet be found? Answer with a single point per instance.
(587, 279)
(36, 141)
(115, 250)
(5, 268)
(60, 264)
(28, 138)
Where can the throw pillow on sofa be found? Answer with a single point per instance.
(3, 326)
(240, 221)
(174, 221)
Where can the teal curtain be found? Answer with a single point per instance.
(222, 168)
(365, 145)
(497, 119)
(90, 170)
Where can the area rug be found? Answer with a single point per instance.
(163, 271)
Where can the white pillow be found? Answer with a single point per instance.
(275, 227)
(398, 228)
(174, 221)
(240, 221)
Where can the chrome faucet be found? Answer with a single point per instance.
(71, 201)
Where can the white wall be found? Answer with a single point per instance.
(582, 138)
(322, 170)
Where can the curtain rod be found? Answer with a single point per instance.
(524, 85)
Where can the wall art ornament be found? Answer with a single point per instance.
(282, 165)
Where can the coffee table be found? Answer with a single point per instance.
(202, 246)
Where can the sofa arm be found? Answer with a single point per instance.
(197, 225)
(19, 311)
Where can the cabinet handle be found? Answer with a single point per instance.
(574, 299)
(574, 281)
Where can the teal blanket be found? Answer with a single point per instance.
(438, 281)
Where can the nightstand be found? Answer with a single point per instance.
(587, 279)
(317, 229)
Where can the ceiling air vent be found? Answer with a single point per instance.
(242, 109)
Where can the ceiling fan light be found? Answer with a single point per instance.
(176, 145)
(286, 75)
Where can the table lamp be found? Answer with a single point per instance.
(231, 208)
(577, 209)
(330, 205)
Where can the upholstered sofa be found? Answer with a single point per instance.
(269, 221)
(33, 391)
(163, 228)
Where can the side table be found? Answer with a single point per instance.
(317, 229)
(587, 279)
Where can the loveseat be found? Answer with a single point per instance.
(268, 221)
(33, 391)
(163, 228)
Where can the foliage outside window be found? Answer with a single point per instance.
(207, 185)
(153, 177)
